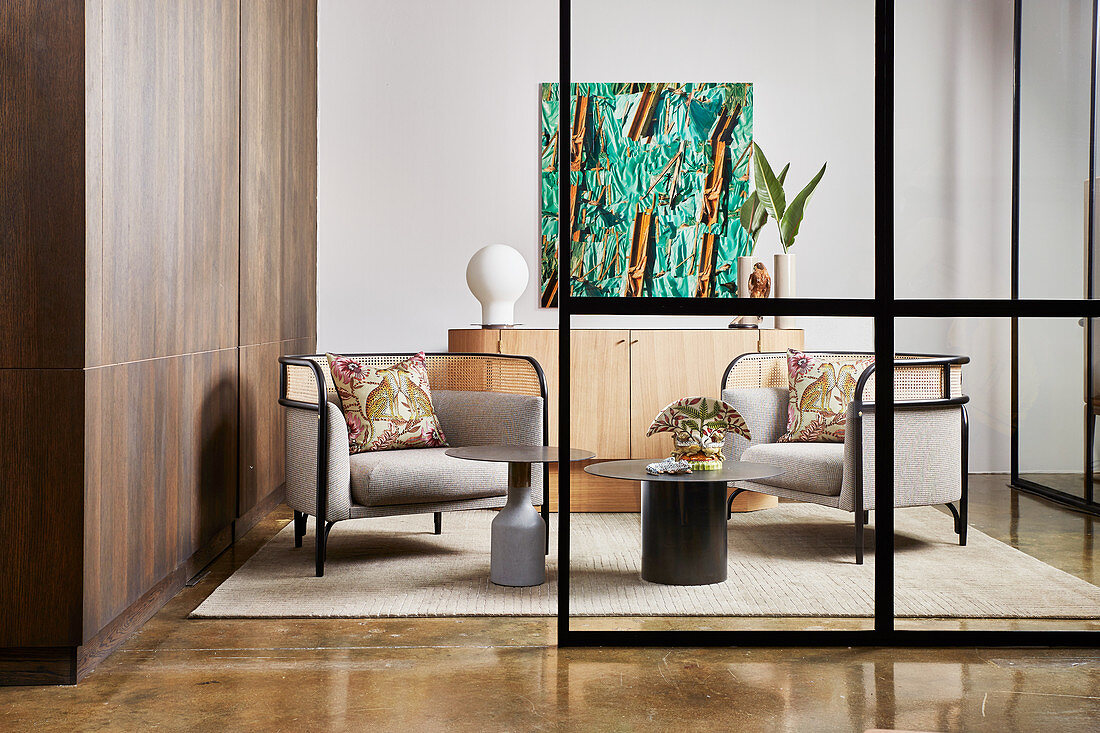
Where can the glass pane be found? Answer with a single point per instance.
(1052, 403)
(1027, 562)
(656, 555)
(952, 146)
(1055, 80)
(664, 164)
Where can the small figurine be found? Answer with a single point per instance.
(698, 426)
(760, 282)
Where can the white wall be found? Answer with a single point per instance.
(953, 194)
(428, 125)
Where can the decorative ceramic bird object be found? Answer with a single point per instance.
(760, 282)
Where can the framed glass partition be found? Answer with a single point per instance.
(1054, 252)
(882, 299)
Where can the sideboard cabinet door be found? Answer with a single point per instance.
(668, 365)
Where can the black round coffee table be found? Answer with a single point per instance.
(683, 518)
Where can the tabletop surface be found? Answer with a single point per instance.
(516, 453)
(634, 470)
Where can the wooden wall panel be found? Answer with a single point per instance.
(161, 478)
(42, 184)
(170, 164)
(41, 502)
(278, 170)
(262, 421)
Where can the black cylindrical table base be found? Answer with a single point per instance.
(683, 532)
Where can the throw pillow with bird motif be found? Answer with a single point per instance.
(820, 391)
(386, 409)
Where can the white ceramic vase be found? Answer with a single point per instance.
(783, 284)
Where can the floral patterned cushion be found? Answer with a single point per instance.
(820, 391)
(389, 408)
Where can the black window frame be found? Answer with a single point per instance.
(883, 308)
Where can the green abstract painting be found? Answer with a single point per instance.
(658, 173)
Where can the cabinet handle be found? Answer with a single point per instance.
(620, 341)
(634, 341)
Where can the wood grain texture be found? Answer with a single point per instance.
(95, 649)
(475, 341)
(262, 458)
(781, 339)
(588, 493)
(278, 170)
(599, 390)
(542, 344)
(42, 184)
(170, 91)
(668, 365)
(41, 501)
(161, 473)
(38, 665)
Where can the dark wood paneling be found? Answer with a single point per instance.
(41, 503)
(170, 115)
(263, 428)
(43, 665)
(119, 629)
(278, 170)
(42, 183)
(161, 473)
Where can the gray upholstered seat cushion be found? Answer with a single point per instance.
(815, 468)
(421, 475)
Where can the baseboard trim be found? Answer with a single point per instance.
(67, 665)
(123, 626)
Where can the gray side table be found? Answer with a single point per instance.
(683, 518)
(518, 537)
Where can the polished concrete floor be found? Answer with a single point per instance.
(506, 674)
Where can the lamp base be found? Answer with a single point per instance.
(496, 326)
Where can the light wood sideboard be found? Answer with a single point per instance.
(619, 380)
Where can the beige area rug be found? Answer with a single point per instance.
(794, 560)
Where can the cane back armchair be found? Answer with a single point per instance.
(479, 398)
(930, 428)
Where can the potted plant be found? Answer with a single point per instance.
(753, 218)
(788, 217)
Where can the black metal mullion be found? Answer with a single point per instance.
(1089, 239)
(841, 307)
(1014, 377)
(884, 317)
(565, 305)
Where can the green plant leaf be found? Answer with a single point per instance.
(748, 211)
(768, 187)
(783, 173)
(792, 217)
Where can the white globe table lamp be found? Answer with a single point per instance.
(497, 276)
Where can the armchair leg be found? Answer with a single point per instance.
(299, 527)
(729, 503)
(959, 515)
(439, 522)
(860, 516)
(323, 528)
